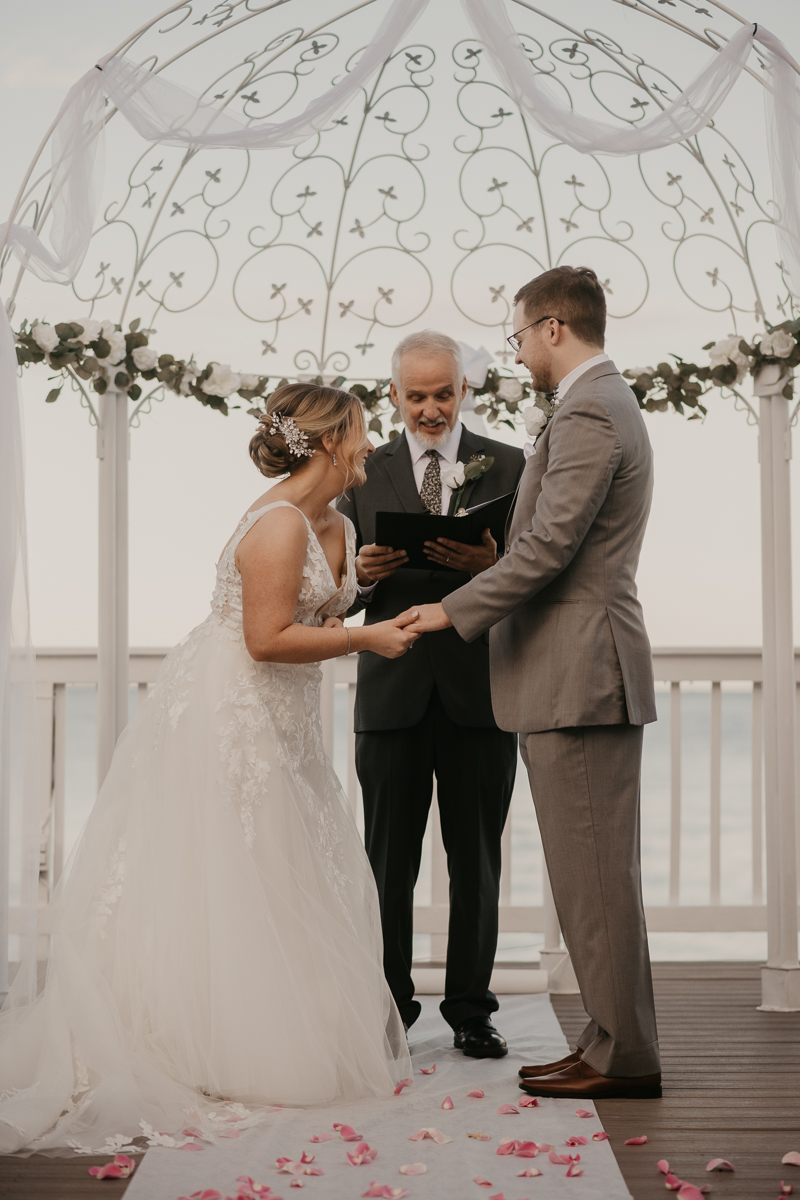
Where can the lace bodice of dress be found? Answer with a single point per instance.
(319, 596)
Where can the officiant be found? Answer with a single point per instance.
(429, 713)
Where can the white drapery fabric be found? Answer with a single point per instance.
(164, 112)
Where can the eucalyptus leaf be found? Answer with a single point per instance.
(53, 395)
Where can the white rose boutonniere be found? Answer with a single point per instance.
(453, 474)
(457, 475)
(535, 420)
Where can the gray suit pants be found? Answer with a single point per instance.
(585, 784)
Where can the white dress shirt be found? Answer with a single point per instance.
(564, 386)
(419, 463)
(420, 460)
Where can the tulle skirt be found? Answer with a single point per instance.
(216, 946)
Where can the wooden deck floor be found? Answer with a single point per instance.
(731, 1090)
(731, 1085)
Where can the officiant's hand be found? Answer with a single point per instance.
(378, 562)
(429, 619)
(461, 557)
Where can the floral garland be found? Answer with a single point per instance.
(682, 386)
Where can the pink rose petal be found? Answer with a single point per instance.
(719, 1164)
(384, 1192)
(347, 1133)
(576, 1140)
(559, 1159)
(637, 1141)
(528, 1102)
(528, 1173)
(688, 1191)
(109, 1171)
(404, 1083)
(663, 1166)
(361, 1155)
(573, 1170)
(498, 1196)
(481, 1182)
(477, 1094)
(507, 1146)
(544, 1147)
(413, 1169)
(229, 1133)
(297, 1183)
(427, 1070)
(507, 1110)
(526, 1150)
(250, 1187)
(191, 1146)
(601, 1136)
(208, 1194)
(581, 1112)
(786, 1188)
(321, 1137)
(313, 1171)
(305, 1157)
(672, 1183)
(447, 1103)
(192, 1131)
(792, 1159)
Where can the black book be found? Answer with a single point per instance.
(410, 531)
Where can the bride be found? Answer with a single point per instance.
(216, 941)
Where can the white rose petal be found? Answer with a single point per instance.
(145, 358)
(510, 389)
(535, 420)
(222, 381)
(778, 344)
(453, 474)
(45, 336)
(249, 382)
(107, 328)
(91, 330)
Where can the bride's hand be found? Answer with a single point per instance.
(333, 623)
(391, 639)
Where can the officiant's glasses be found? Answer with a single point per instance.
(514, 342)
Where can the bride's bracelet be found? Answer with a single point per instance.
(347, 651)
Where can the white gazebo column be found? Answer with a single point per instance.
(112, 653)
(780, 978)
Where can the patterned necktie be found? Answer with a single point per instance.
(431, 491)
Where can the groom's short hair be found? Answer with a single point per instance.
(575, 295)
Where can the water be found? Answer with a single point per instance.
(526, 876)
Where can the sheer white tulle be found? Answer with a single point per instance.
(217, 934)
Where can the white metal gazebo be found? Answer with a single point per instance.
(355, 113)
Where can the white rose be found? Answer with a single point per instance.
(107, 328)
(91, 331)
(453, 474)
(510, 389)
(727, 350)
(45, 336)
(118, 348)
(222, 381)
(778, 344)
(190, 373)
(535, 420)
(249, 382)
(145, 358)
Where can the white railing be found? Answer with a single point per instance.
(56, 669)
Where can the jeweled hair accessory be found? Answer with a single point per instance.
(296, 440)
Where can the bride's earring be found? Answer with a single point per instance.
(333, 460)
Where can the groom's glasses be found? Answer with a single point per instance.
(514, 341)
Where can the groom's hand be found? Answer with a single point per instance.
(429, 619)
(378, 562)
(461, 557)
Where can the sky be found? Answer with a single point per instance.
(191, 477)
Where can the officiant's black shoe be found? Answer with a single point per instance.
(550, 1068)
(478, 1038)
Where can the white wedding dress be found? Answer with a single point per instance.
(217, 946)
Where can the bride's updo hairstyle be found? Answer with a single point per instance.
(281, 447)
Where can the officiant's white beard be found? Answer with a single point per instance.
(430, 441)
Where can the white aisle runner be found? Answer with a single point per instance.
(534, 1035)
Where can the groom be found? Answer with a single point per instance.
(572, 673)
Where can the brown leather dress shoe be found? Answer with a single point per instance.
(550, 1068)
(581, 1082)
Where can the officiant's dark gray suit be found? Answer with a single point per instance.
(430, 713)
(572, 674)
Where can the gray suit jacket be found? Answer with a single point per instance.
(394, 693)
(568, 642)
